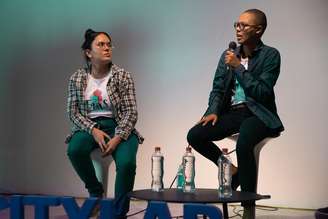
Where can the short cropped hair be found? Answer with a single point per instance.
(260, 17)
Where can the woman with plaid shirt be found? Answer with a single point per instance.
(103, 112)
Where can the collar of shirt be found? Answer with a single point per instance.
(258, 47)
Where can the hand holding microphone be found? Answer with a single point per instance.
(230, 58)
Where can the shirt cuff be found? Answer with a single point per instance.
(123, 134)
(91, 127)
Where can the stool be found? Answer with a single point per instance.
(102, 166)
(321, 213)
(256, 151)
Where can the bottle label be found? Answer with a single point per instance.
(224, 172)
(180, 177)
(189, 169)
(157, 167)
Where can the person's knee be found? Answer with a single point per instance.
(80, 145)
(76, 151)
(193, 137)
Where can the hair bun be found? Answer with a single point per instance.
(88, 33)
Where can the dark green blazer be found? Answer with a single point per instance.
(257, 81)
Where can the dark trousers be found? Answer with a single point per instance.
(251, 131)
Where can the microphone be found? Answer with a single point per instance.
(232, 47)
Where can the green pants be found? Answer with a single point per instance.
(79, 149)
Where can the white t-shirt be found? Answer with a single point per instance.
(97, 97)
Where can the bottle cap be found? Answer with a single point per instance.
(157, 148)
(188, 149)
(224, 150)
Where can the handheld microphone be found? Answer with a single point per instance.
(232, 47)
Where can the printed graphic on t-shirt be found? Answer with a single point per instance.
(97, 103)
(97, 98)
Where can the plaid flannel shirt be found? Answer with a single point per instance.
(121, 93)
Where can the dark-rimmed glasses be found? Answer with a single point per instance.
(242, 26)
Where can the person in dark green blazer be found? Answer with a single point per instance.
(242, 101)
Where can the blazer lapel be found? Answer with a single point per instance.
(253, 61)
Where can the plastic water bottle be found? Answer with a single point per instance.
(224, 165)
(189, 171)
(157, 170)
(180, 178)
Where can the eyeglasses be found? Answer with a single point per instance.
(103, 45)
(242, 26)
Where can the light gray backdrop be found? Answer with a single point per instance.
(172, 49)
